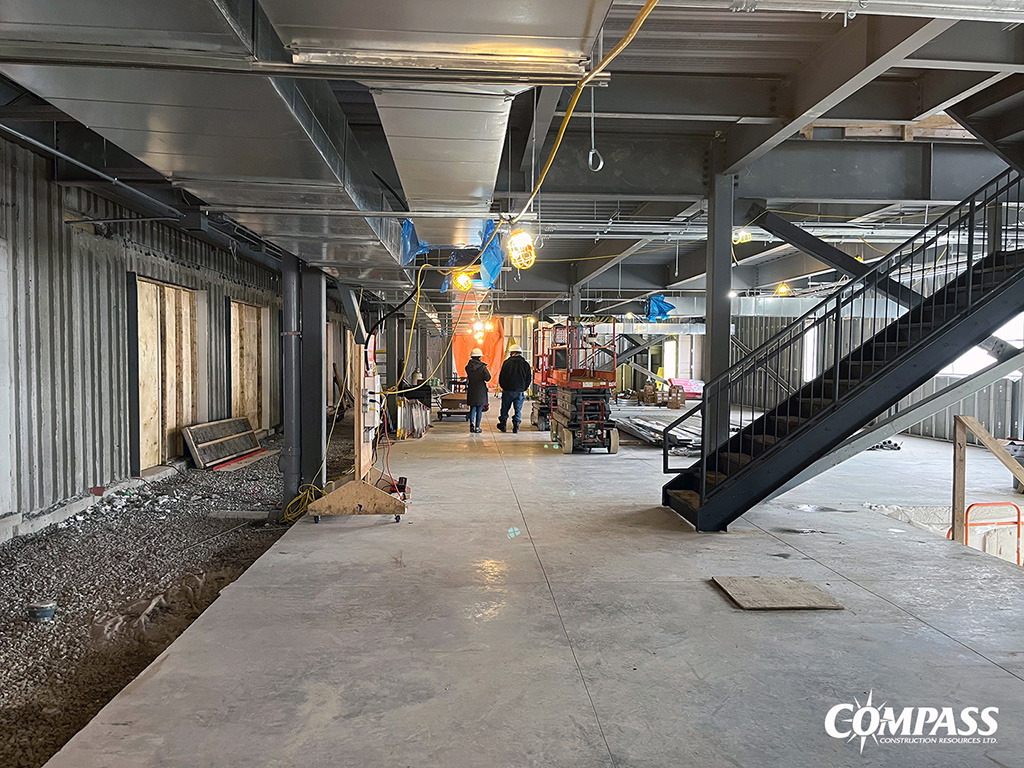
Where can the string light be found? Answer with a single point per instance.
(489, 326)
(478, 326)
(463, 281)
(519, 247)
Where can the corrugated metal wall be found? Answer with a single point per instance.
(997, 407)
(63, 348)
(752, 332)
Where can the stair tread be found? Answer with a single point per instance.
(801, 409)
(690, 498)
(790, 419)
(734, 456)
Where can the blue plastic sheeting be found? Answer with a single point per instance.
(490, 261)
(658, 309)
(492, 258)
(446, 284)
(412, 246)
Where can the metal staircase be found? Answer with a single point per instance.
(868, 344)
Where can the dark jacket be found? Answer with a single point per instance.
(516, 375)
(477, 377)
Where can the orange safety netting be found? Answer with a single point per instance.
(493, 347)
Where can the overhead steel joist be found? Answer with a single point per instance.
(674, 168)
(867, 49)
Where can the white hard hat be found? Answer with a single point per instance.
(477, 353)
(515, 348)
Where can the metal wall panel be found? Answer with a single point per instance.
(751, 333)
(63, 348)
(997, 408)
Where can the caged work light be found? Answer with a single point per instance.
(463, 281)
(519, 247)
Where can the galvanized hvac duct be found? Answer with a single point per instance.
(446, 145)
(446, 139)
(968, 10)
(234, 141)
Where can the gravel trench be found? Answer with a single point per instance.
(128, 575)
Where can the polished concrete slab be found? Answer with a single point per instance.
(536, 609)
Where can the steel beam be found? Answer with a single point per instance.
(908, 417)
(941, 90)
(68, 54)
(972, 46)
(609, 253)
(826, 253)
(547, 103)
(674, 168)
(350, 304)
(646, 372)
(866, 49)
(623, 357)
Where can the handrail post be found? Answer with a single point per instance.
(837, 343)
(970, 252)
(704, 447)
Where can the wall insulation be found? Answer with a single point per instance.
(63, 330)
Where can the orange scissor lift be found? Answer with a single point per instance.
(547, 390)
(580, 413)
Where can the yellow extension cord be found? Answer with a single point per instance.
(309, 492)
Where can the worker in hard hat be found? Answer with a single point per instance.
(514, 380)
(477, 377)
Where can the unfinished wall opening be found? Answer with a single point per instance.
(168, 369)
(248, 348)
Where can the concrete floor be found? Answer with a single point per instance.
(540, 609)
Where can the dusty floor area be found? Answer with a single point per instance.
(539, 609)
(128, 575)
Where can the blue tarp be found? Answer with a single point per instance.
(658, 309)
(492, 258)
(446, 285)
(412, 246)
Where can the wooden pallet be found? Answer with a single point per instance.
(215, 442)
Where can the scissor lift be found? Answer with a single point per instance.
(581, 416)
(546, 389)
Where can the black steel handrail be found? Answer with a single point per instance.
(873, 272)
(831, 309)
(664, 436)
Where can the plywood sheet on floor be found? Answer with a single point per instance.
(754, 593)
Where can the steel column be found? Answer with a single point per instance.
(292, 450)
(391, 344)
(314, 376)
(718, 312)
(446, 354)
(403, 342)
(719, 275)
